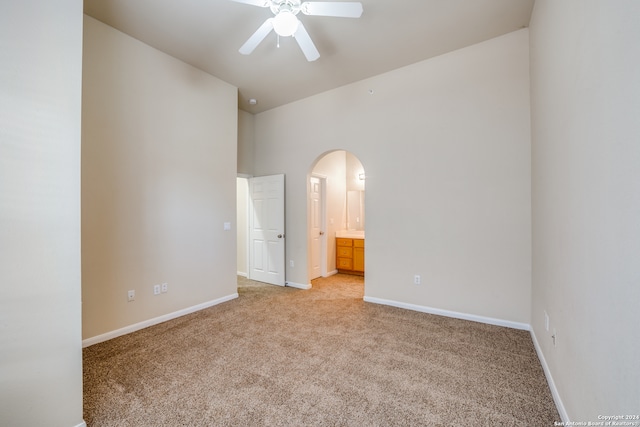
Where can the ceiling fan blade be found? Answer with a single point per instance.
(257, 37)
(261, 3)
(306, 44)
(348, 9)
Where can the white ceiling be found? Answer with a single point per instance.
(390, 34)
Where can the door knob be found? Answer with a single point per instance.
(322, 233)
(280, 236)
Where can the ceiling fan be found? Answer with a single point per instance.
(285, 22)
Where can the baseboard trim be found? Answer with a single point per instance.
(552, 385)
(447, 313)
(298, 285)
(156, 320)
(82, 424)
(331, 273)
(240, 273)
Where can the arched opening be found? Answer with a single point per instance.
(336, 215)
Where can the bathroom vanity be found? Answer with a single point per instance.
(350, 252)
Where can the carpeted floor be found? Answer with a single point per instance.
(287, 357)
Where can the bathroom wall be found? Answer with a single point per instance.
(332, 166)
(355, 193)
(342, 170)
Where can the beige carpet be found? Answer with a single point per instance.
(287, 357)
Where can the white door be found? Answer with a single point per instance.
(317, 235)
(266, 229)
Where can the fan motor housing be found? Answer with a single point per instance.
(292, 6)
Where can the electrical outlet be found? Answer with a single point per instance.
(156, 289)
(165, 288)
(291, 264)
(131, 295)
(416, 279)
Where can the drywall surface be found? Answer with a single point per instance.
(40, 110)
(585, 91)
(245, 143)
(446, 148)
(243, 226)
(245, 170)
(159, 150)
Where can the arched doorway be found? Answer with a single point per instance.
(336, 208)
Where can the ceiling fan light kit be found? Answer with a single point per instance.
(285, 23)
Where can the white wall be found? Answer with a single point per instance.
(40, 330)
(585, 90)
(242, 222)
(159, 149)
(245, 168)
(245, 142)
(446, 148)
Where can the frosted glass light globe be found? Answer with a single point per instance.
(285, 23)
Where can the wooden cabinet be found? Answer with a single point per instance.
(358, 255)
(350, 255)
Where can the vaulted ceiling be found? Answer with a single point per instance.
(390, 34)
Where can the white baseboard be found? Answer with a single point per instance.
(298, 285)
(82, 424)
(447, 313)
(136, 327)
(552, 385)
(331, 273)
(242, 274)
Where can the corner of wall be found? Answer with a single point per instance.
(547, 373)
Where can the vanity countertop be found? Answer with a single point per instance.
(350, 234)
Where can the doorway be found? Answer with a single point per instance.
(261, 233)
(317, 226)
(335, 188)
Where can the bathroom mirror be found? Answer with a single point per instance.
(355, 210)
